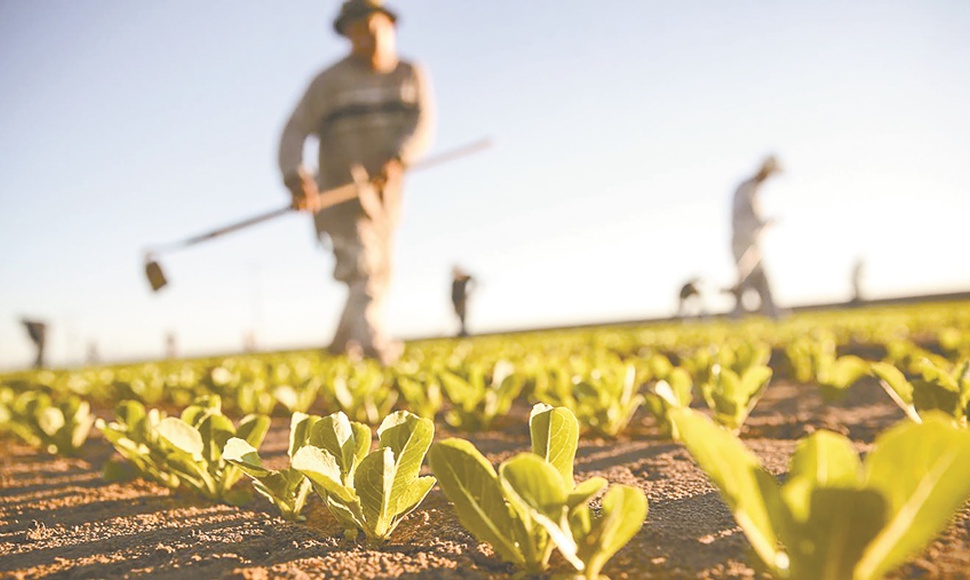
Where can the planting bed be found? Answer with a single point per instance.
(58, 517)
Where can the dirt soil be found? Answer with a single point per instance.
(59, 518)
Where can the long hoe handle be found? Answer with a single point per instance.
(328, 198)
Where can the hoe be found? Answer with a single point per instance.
(156, 276)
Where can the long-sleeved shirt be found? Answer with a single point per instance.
(360, 116)
(746, 219)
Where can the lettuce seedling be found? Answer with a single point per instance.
(604, 399)
(815, 358)
(299, 397)
(369, 492)
(361, 390)
(837, 517)
(835, 374)
(134, 435)
(476, 398)
(676, 390)
(600, 536)
(936, 388)
(732, 396)
(286, 488)
(293, 384)
(909, 357)
(955, 341)
(57, 427)
(186, 450)
(421, 394)
(532, 506)
(253, 397)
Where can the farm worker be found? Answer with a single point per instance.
(37, 332)
(372, 113)
(858, 269)
(747, 225)
(462, 285)
(689, 299)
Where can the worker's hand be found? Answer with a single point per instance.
(386, 191)
(392, 172)
(370, 200)
(303, 188)
(368, 193)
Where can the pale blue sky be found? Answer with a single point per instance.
(621, 129)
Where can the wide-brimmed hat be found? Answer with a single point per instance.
(353, 9)
(770, 165)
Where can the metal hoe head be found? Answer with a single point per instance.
(154, 273)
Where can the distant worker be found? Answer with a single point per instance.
(171, 346)
(462, 285)
(372, 114)
(249, 342)
(37, 331)
(94, 354)
(747, 225)
(858, 270)
(690, 302)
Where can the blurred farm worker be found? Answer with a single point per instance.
(858, 271)
(747, 225)
(372, 113)
(171, 346)
(462, 285)
(690, 301)
(37, 331)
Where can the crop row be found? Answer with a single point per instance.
(603, 390)
(835, 515)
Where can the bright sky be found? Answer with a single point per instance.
(621, 130)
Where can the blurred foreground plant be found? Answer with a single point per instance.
(938, 386)
(837, 517)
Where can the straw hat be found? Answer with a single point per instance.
(770, 165)
(353, 9)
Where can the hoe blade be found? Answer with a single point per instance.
(155, 275)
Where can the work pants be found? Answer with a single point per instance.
(362, 247)
(751, 274)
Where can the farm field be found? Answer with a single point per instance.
(60, 516)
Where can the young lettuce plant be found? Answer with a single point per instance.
(954, 341)
(837, 517)
(292, 383)
(936, 388)
(369, 492)
(286, 488)
(477, 399)
(186, 450)
(532, 506)
(835, 374)
(361, 390)
(815, 358)
(421, 393)
(732, 395)
(604, 399)
(134, 435)
(909, 357)
(677, 390)
(299, 397)
(58, 427)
